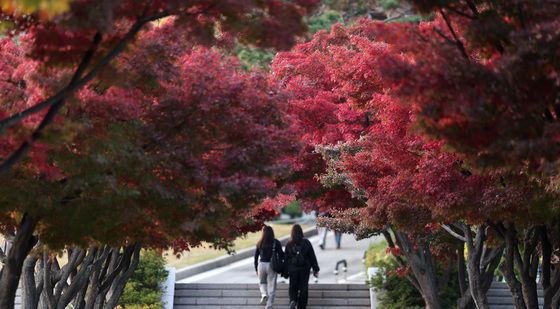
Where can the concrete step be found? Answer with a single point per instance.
(505, 300)
(280, 301)
(499, 296)
(279, 293)
(247, 296)
(261, 306)
(250, 286)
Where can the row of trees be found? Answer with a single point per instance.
(442, 136)
(120, 131)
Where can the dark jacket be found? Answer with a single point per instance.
(306, 249)
(265, 253)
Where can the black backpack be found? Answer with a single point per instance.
(276, 261)
(298, 259)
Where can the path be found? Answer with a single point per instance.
(352, 250)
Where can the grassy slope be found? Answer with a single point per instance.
(204, 253)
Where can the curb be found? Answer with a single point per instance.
(228, 259)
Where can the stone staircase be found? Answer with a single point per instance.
(247, 296)
(499, 296)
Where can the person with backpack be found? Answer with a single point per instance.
(269, 261)
(300, 259)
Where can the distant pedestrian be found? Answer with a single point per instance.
(323, 232)
(300, 259)
(337, 238)
(266, 246)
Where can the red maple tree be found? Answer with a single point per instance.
(187, 159)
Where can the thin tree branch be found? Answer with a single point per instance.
(78, 83)
(546, 248)
(75, 259)
(49, 296)
(121, 281)
(461, 13)
(458, 42)
(2, 256)
(49, 117)
(399, 259)
(445, 37)
(453, 233)
(473, 8)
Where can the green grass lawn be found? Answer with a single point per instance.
(204, 253)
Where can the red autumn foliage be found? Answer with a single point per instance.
(161, 164)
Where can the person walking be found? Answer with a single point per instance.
(266, 247)
(337, 238)
(300, 259)
(323, 232)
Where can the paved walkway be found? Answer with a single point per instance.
(352, 250)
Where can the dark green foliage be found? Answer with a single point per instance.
(143, 290)
(254, 57)
(293, 209)
(324, 21)
(389, 4)
(349, 10)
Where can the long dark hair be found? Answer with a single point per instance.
(297, 235)
(267, 237)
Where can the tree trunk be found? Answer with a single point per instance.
(428, 284)
(466, 300)
(512, 282)
(11, 272)
(508, 267)
(92, 278)
(423, 266)
(550, 273)
(556, 301)
(117, 287)
(481, 264)
(474, 260)
(31, 289)
(528, 266)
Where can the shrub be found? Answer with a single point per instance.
(252, 57)
(293, 210)
(324, 21)
(389, 4)
(144, 289)
(396, 292)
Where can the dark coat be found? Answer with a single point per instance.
(307, 252)
(265, 253)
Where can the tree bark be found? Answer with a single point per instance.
(466, 300)
(527, 266)
(400, 261)
(481, 264)
(32, 288)
(508, 267)
(423, 266)
(11, 272)
(550, 273)
(117, 288)
(475, 248)
(92, 278)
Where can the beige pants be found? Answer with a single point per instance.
(267, 282)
